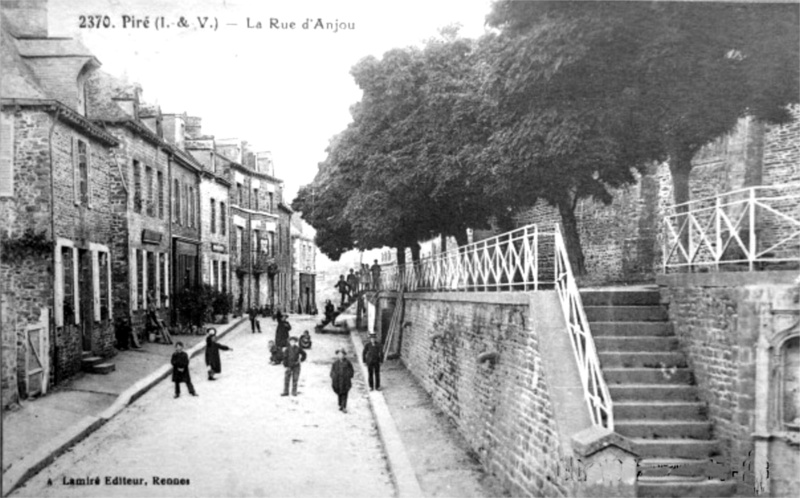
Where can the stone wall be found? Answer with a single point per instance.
(503, 410)
(623, 241)
(718, 318)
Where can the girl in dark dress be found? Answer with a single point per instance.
(212, 353)
(341, 377)
(282, 332)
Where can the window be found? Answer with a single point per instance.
(68, 280)
(239, 244)
(6, 156)
(104, 265)
(139, 279)
(223, 223)
(137, 187)
(151, 274)
(151, 198)
(272, 243)
(790, 384)
(270, 202)
(255, 199)
(193, 208)
(81, 164)
(240, 192)
(160, 178)
(176, 215)
(257, 241)
(213, 216)
(215, 272)
(164, 280)
(224, 271)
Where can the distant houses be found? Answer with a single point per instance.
(111, 208)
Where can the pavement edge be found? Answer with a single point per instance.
(43, 456)
(399, 463)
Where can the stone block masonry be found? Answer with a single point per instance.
(503, 409)
(719, 319)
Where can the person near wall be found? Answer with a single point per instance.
(282, 332)
(180, 370)
(293, 355)
(373, 357)
(341, 377)
(352, 285)
(212, 353)
(376, 275)
(343, 289)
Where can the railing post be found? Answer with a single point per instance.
(536, 257)
(751, 256)
(718, 228)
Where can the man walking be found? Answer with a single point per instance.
(293, 355)
(254, 323)
(352, 285)
(373, 357)
(343, 288)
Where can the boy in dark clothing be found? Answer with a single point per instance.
(341, 377)
(180, 370)
(376, 275)
(282, 331)
(373, 357)
(254, 323)
(352, 284)
(293, 355)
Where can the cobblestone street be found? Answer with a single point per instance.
(239, 437)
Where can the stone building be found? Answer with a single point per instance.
(139, 199)
(214, 205)
(304, 267)
(56, 178)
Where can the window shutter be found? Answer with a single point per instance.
(89, 188)
(6, 156)
(96, 284)
(77, 294)
(132, 275)
(59, 282)
(157, 262)
(110, 299)
(166, 280)
(76, 179)
(144, 279)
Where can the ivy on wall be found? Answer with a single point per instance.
(28, 244)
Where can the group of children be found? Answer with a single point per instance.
(180, 362)
(290, 355)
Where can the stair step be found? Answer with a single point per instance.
(648, 375)
(89, 362)
(653, 392)
(620, 298)
(630, 359)
(659, 410)
(103, 368)
(679, 487)
(664, 429)
(636, 343)
(676, 448)
(616, 329)
(626, 313)
(682, 467)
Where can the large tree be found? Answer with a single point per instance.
(670, 77)
(408, 161)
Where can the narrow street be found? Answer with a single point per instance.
(239, 437)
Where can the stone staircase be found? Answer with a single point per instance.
(96, 364)
(655, 400)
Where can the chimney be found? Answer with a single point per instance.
(230, 148)
(264, 163)
(194, 127)
(28, 18)
(174, 129)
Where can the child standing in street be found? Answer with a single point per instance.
(212, 353)
(341, 377)
(180, 370)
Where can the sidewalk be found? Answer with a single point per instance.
(41, 429)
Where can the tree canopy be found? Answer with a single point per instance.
(563, 101)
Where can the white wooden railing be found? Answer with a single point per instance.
(595, 389)
(757, 226)
(526, 259)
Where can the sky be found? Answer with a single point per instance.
(284, 89)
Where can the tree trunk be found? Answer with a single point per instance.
(680, 166)
(401, 267)
(461, 237)
(566, 208)
(443, 238)
(415, 250)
